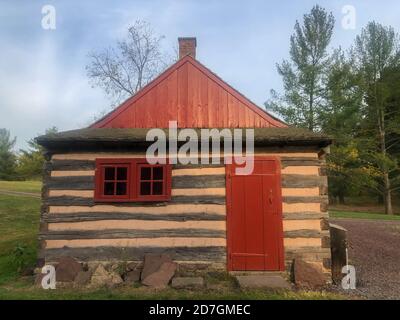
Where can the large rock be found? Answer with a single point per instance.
(161, 277)
(187, 282)
(134, 266)
(102, 277)
(275, 282)
(132, 276)
(152, 263)
(338, 250)
(308, 276)
(67, 269)
(83, 278)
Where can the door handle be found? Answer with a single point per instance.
(270, 198)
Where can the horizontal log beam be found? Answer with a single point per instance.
(308, 256)
(294, 199)
(302, 181)
(70, 183)
(298, 161)
(74, 165)
(91, 164)
(304, 215)
(83, 201)
(71, 165)
(304, 250)
(304, 234)
(131, 234)
(95, 216)
(189, 182)
(72, 200)
(199, 199)
(198, 165)
(213, 254)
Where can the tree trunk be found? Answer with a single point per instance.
(341, 198)
(382, 137)
(388, 195)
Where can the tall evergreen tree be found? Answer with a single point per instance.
(375, 51)
(7, 156)
(304, 75)
(340, 118)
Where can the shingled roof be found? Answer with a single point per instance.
(137, 136)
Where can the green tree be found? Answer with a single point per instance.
(30, 161)
(304, 76)
(340, 118)
(375, 51)
(7, 156)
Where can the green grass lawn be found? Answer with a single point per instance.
(21, 186)
(21, 291)
(19, 224)
(362, 215)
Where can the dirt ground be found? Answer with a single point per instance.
(374, 250)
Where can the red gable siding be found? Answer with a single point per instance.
(192, 95)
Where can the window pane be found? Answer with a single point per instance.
(122, 173)
(145, 173)
(109, 173)
(145, 188)
(121, 188)
(157, 173)
(109, 188)
(157, 188)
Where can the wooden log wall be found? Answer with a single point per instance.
(191, 226)
(305, 210)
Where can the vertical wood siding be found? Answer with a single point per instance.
(194, 97)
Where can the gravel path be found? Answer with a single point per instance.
(374, 250)
(19, 193)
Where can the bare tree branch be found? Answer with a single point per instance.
(134, 62)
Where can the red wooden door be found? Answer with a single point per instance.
(254, 218)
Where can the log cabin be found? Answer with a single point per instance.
(103, 201)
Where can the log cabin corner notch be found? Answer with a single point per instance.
(103, 202)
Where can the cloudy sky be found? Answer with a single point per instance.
(43, 81)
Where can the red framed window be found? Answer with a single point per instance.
(128, 180)
(151, 181)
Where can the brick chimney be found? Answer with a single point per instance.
(187, 46)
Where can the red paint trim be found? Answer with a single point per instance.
(229, 232)
(228, 186)
(132, 186)
(281, 248)
(166, 183)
